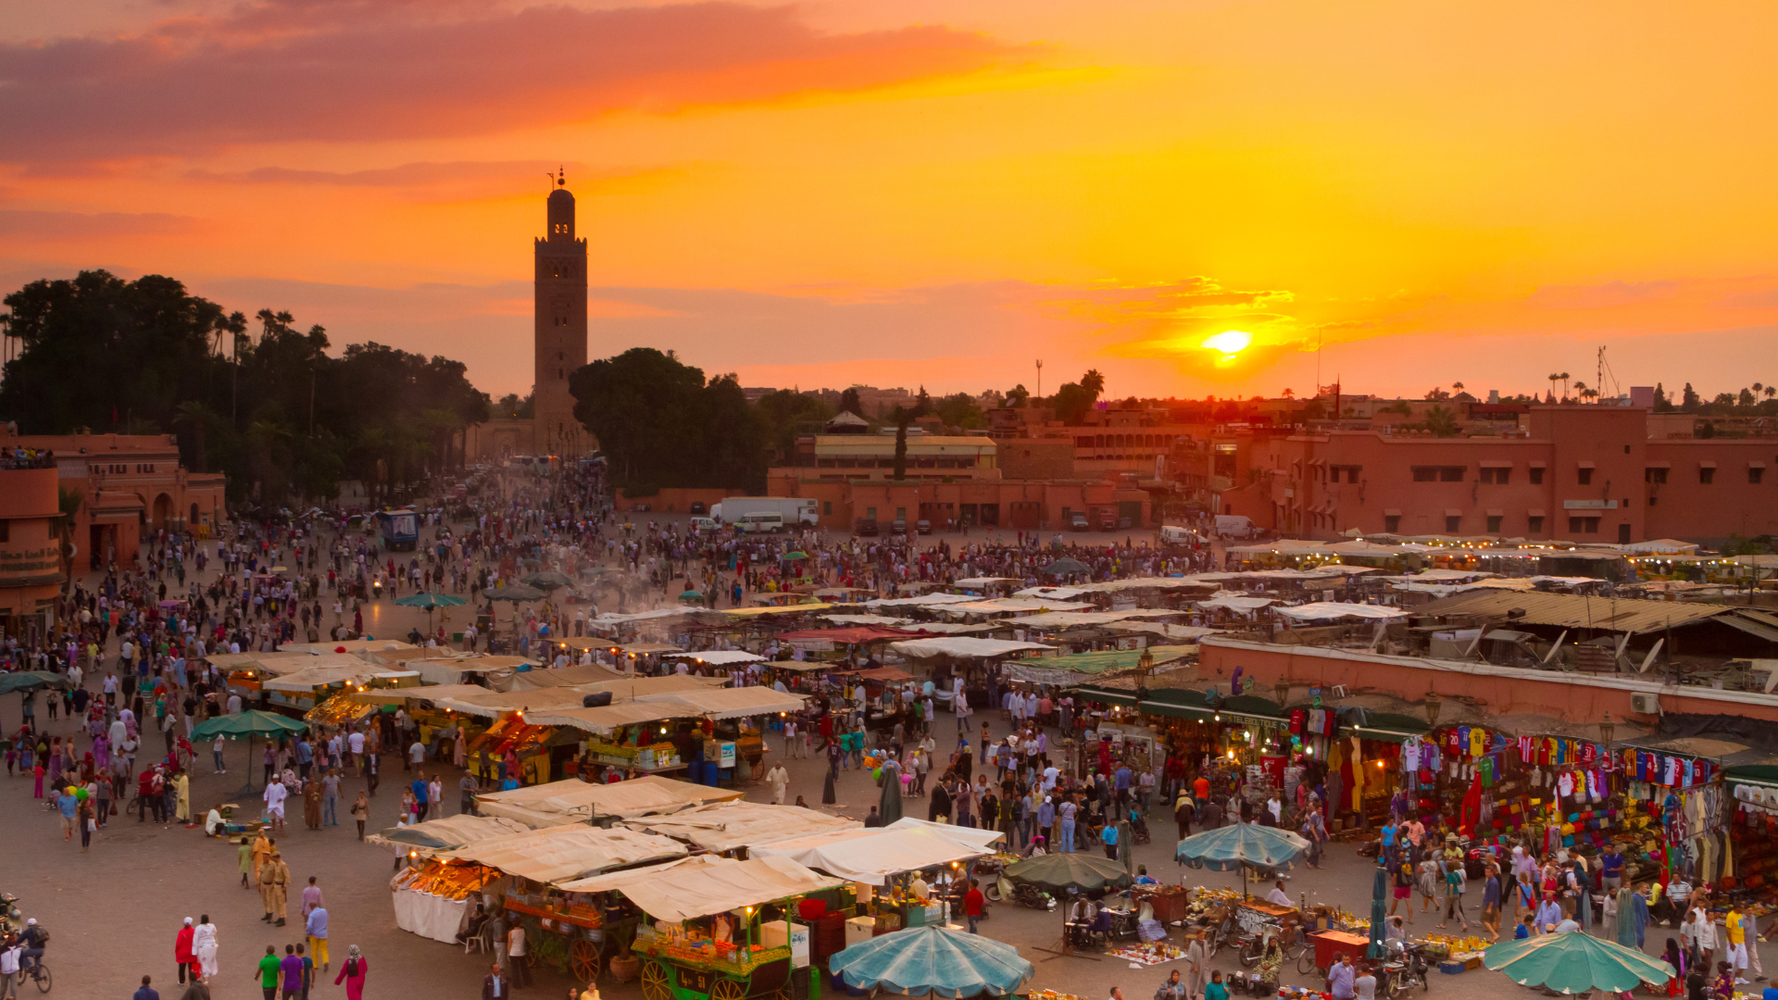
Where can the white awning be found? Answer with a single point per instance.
(717, 657)
(962, 646)
(1333, 610)
(724, 826)
(566, 852)
(697, 887)
(578, 801)
(872, 856)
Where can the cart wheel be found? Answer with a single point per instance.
(782, 994)
(584, 961)
(654, 980)
(728, 989)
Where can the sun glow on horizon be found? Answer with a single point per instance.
(1229, 344)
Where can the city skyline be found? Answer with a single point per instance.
(837, 193)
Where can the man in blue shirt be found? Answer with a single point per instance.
(148, 992)
(420, 796)
(305, 755)
(1341, 977)
(1613, 867)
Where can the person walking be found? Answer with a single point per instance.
(779, 779)
(361, 812)
(274, 887)
(353, 973)
(495, 985)
(316, 926)
(204, 947)
(268, 972)
(515, 953)
(183, 952)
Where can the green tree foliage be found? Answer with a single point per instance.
(1442, 422)
(960, 410)
(662, 424)
(275, 413)
(850, 404)
(1074, 400)
(1018, 395)
(786, 414)
(511, 406)
(1662, 403)
(1689, 400)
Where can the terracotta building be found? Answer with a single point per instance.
(131, 485)
(1576, 473)
(30, 551)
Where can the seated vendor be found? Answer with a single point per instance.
(1142, 876)
(214, 825)
(476, 921)
(918, 888)
(1278, 895)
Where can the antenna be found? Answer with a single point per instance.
(1039, 378)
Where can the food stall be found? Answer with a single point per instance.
(564, 926)
(738, 826)
(687, 721)
(298, 692)
(721, 929)
(431, 898)
(246, 674)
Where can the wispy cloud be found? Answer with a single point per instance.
(40, 226)
(343, 72)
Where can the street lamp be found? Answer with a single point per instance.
(1433, 704)
(1282, 690)
(1606, 729)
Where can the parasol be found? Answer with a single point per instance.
(935, 960)
(1241, 846)
(1065, 566)
(249, 723)
(1379, 912)
(1061, 872)
(31, 680)
(517, 595)
(547, 579)
(429, 601)
(1575, 963)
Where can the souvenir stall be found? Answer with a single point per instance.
(718, 928)
(565, 928)
(544, 752)
(1753, 834)
(1685, 809)
(709, 730)
(341, 711)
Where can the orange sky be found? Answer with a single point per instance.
(936, 192)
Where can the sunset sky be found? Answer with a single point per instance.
(936, 193)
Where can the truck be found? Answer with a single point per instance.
(400, 529)
(796, 512)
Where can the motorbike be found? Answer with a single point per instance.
(1005, 889)
(11, 920)
(376, 589)
(1405, 971)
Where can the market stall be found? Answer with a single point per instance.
(711, 936)
(432, 897)
(579, 801)
(725, 827)
(672, 730)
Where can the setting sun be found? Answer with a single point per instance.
(1228, 343)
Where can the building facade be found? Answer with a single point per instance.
(1581, 473)
(31, 567)
(559, 324)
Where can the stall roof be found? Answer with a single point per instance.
(450, 671)
(492, 704)
(1234, 603)
(778, 609)
(867, 620)
(643, 688)
(542, 677)
(451, 832)
(263, 661)
(314, 677)
(1321, 611)
(1178, 633)
(576, 800)
(426, 692)
(882, 674)
(572, 851)
(1014, 606)
(716, 657)
(352, 646)
(646, 648)
(725, 826)
(964, 647)
(697, 887)
(1077, 619)
(1144, 582)
(922, 601)
(1577, 611)
(1078, 668)
(873, 855)
(847, 636)
(714, 703)
(978, 582)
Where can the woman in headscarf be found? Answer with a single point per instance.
(203, 944)
(352, 973)
(312, 804)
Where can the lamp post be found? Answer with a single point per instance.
(1606, 729)
(1433, 704)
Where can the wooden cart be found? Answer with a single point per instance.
(584, 944)
(671, 972)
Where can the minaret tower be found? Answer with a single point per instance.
(561, 331)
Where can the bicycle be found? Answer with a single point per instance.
(38, 973)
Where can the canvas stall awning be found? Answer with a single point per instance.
(716, 657)
(577, 801)
(1320, 611)
(724, 826)
(1232, 603)
(452, 670)
(314, 677)
(963, 647)
(451, 832)
(1080, 668)
(697, 887)
(493, 704)
(561, 853)
(1014, 606)
(1078, 619)
(539, 677)
(872, 856)
(711, 703)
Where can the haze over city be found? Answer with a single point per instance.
(933, 193)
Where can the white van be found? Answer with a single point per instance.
(1174, 535)
(1235, 526)
(760, 522)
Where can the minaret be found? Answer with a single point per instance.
(560, 318)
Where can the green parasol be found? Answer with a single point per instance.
(1066, 566)
(547, 579)
(1242, 845)
(249, 723)
(31, 680)
(1061, 872)
(691, 595)
(935, 960)
(517, 595)
(429, 601)
(1379, 912)
(794, 556)
(1575, 963)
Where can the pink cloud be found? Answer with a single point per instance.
(283, 72)
(36, 226)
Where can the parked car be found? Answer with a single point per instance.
(697, 507)
(923, 526)
(866, 528)
(898, 527)
(703, 524)
(1077, 521)
(1107, 521)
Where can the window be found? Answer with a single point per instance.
(1586, 477)
(826, 507)
(1450, 473)
(1498, 477)
(1392, 523)
(870, 513)
(1652, 499)
(1583, 525)
(1534, 524)
(1494, 524)
(5, 531)
(1653, 475)
(1754, 474)
(1453, 523)
(1706, 476)
(1425, 473)
(1536, 476)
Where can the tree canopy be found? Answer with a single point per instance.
(661, 423)
(274, 412)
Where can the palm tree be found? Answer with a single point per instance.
(1555, 377)
(1442, 422)
(197, 416)
(1580, 389)
(1771, 390)
(1564, 378)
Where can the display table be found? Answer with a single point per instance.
(429, 916)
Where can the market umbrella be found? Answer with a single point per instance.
(890, 807)
(249, 723)
(515, 594)
(31, 680)
(1061, 872)
(1240, 846)
(1065, 566)
(935, 960)
(794, 556)
(1379, 912)
(547, 579)
(429, 601)
(1575, 963)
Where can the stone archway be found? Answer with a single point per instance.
(163, 511)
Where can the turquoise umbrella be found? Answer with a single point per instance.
(429, 601)
(31, 680)
(1242, 845)
(1061, 872)
(1575, 963)
(1379, 913)
(933, 960)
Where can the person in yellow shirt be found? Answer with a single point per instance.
(1735, 926)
